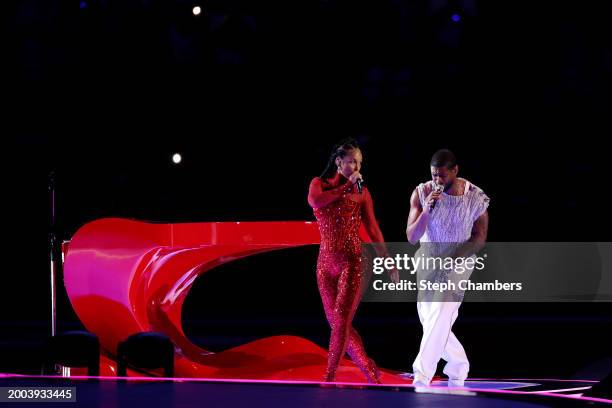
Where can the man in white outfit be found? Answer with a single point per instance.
(453, 212)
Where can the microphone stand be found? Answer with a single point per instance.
(52, 252)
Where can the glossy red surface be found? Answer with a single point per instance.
(124, 277)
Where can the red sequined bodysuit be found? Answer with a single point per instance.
(339, 210)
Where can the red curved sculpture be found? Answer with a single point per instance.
(124, 277)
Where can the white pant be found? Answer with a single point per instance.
(439, 341)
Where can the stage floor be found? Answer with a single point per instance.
(111, 392)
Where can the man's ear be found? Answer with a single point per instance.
(456, 169)
(337, 161)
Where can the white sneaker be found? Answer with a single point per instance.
(420, 382)
(456, 382)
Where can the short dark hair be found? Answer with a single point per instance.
(443, 158)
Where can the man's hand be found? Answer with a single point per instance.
(394, 275)
(431, 199)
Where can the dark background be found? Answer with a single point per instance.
(254, 95)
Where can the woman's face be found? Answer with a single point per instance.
(350, 163)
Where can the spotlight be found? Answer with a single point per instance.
(456, 18)
(196, 10)
(176, 158)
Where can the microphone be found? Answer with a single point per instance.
(438, 188)
(360, 185)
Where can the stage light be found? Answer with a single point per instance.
(196, 10)
(176, 158)
(83, 5)
(456, 18)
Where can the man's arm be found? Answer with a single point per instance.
(417, 219)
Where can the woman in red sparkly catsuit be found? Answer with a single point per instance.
(340, 209)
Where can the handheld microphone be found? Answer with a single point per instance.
(360, 185)
(438, 188)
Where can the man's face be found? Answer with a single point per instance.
(444, 176)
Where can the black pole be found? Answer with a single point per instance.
(52, 252)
